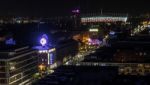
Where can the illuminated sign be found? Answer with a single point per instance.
(44, 40)
(50, 58)
(93, 30)
(76, 11)
(48, 62)
(47, 51)
(94, 42)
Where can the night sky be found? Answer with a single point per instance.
(64, 7)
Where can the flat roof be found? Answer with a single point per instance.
(42, 47)
(14, 51)
(10, 48)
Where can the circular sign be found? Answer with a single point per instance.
(44, 40)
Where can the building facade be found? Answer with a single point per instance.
(46, 58)
(18, 65)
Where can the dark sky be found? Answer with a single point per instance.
(59, 7)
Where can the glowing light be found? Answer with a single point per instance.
(93, 30)
(125, 20)
(43, 41)
(12, 68)
(106, 36)
(112, 33)
(89, 40)
(76, 11)
(48, 55)
(50, 58)
(53, 66)
(51, 50)
(94, 42)
(45, 51)
(40, 51)
(103, 19)
(42, 67)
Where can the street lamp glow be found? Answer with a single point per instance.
(42, 67)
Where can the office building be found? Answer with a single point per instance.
(18, 64)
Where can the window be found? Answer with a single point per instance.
(3, 81)
(2, 69)
(2, 63)
(2, 75)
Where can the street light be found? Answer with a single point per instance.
(41, 67)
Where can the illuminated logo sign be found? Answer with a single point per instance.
(44, 40)
(47, 51)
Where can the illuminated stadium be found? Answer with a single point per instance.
(104, 18)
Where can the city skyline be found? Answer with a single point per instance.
(74, 42)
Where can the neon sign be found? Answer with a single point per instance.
(44, 40)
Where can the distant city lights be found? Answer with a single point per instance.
(93, 30)
(10, 41)
(103, 19)
(112, 33)
(76, 11)
(94, 41)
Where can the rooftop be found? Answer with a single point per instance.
(9, 51)
(42, 48)
(90, 75)
(10, 48)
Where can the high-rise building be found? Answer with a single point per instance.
(18, 64)
(46, 58)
